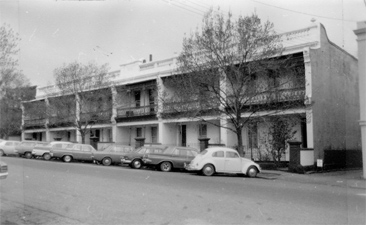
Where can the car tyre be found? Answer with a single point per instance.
(252, 171)
(2, 153)
(136, 164)
(67, 158)
(208, 170)
(46, 156)
(107, 161)
(28, 155)
(166, 166)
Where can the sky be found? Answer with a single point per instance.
(58, 32)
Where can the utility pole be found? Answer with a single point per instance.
(361, 39)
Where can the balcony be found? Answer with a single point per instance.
(34, 123)
(62, 121)
(147, 112)
(103, 116)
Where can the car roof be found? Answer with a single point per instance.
(220, 148)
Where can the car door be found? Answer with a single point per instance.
(218, 159)
(232, 162)
(87, 152)
(8, 147)
(179, 157)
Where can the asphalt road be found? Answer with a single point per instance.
(49, 192)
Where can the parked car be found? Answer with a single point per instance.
(8, 147)
(174, 157)
(25, 148)
(44, 149)
(82, 152)
(134, 159)
(222, 160)
(3, 170)
(112, 154)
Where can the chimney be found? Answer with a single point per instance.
(150, 57)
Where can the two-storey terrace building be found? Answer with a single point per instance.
(327, 115)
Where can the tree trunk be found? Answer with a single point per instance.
(240, 142)
(82, 138)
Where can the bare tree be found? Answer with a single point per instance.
(230, 68)
(84, 98)
(13, 84)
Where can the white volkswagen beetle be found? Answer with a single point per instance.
(222, 160)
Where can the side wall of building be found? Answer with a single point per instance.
(335, 99)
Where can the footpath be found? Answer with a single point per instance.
(344, 178)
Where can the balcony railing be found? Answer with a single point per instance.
(61, 120)
(97, 117)
(181, 107)
(277, 96)
(137, 111)
(28, 123)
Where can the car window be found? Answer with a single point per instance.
(57, 145)
(9, 143)
(180, 152)
(17, 143)
(87, 148)
(232, 155)
(218, 154)
(77, 147)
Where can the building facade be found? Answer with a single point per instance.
(327, 119)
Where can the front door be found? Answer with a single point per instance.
(183, 133)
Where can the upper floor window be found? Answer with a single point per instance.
(137, 98)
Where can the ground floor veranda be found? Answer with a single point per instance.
(181, 132)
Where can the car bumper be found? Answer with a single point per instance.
(190, 167)
(126, 161)
(3, 175)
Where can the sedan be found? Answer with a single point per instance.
(82, 152)
(112, 154)
(134, 159)
(174, 157)
(25, 148)
(8, 147)
(44, 149)
(222, 160)
(3, 170)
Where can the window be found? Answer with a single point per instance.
(9, 144)
(137, 98)
(253, 135)
(57, 145)
(232, 155)
(139, 132)
(191, 153)
(218, 154)
(202, 130)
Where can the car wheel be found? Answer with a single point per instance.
(2, 153)
(67, 158)
(28, 155)
(252, 171)
(136, 164)
(166, 166)
(46, 156)
(208, 170)
(107, 161)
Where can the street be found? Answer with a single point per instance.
(53, 192)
